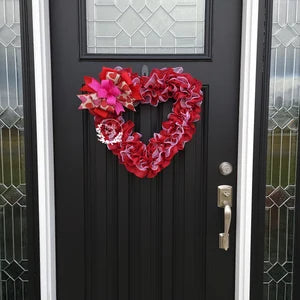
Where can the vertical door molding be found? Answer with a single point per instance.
(245, 145)
(43, 95)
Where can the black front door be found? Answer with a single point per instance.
(118, 236)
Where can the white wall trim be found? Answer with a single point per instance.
(43, 95)
(245, 148)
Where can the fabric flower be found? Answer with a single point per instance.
(110, 92)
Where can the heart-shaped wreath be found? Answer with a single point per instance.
(119, 88)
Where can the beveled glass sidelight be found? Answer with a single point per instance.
(283, 130)
(145, 26)
(13, 214)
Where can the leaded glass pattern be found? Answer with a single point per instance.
(145, 26)
(13, 232)
(282, 150)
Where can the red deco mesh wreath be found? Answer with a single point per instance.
(118, 89)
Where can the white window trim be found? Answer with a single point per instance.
(42, 66)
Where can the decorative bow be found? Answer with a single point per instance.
(114, 91)
(104, 90)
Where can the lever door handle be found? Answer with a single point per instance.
(224, 237)
(225, 201)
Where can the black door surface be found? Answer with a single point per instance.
(120, 237)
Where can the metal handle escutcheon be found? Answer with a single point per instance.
(225, 201)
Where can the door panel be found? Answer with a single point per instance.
(120, 237)
(147, 235)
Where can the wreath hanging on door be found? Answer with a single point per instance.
(118, 89)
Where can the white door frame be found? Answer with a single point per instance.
(43, 93)
(245, 148)
(45, 157)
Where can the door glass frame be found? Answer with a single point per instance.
(30, 139)
(23, 8)
(260, 158)
(206, 56)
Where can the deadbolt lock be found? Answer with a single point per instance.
(225, 168)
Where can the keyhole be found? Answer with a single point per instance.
(145, 70)
(226, 194)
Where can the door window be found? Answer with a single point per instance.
(145, 26)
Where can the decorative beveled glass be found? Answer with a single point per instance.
(284, 100)
(145, 26)
(13, 229)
